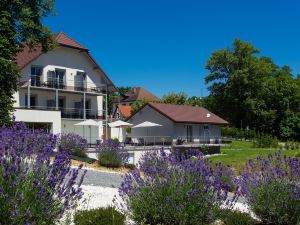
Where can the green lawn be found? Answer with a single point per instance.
(238, 153)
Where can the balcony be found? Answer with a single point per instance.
(61, 84)
(72, 113)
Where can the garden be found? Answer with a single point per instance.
(39, 184)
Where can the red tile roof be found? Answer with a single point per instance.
(64, 39)
(187, 114)
(137, 93)
(125, 110)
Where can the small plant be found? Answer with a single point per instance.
(111, 154)
(99, 216)
(266, 141)
(230, 217)
(130, 166)
(271, 189)
(73, 143)
(165, 190)
(33, 184)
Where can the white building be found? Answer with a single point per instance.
(61, 88)
(180, 123)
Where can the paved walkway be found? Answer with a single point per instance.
(103, 179)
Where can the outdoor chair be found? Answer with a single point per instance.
(179, 141)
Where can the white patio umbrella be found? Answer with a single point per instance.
(89, 123)
(120, 124)
(147, 124)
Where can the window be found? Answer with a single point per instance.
(55, 79)
(36, 72)
(79, 81)
(51, 104)
(33, 101)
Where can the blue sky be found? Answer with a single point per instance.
(163, 45)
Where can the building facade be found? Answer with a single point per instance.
(179, 124)
(61, 88)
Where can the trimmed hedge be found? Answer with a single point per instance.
(99, 216)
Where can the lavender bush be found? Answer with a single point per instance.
(36, 185)
(165, 190)
(111, 154)
(73, 143)
(272, 189)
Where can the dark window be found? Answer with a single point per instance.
(36, 72)
(33, 101)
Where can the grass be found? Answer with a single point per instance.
(238, 153)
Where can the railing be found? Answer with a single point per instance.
(72, 113)
(168, 140)
(148, 140)
(62, 84)
(182, 140)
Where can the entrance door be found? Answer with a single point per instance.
(189, 133)
(206, 134)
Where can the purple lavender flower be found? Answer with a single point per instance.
(271, 188)
(34, 180)
(166, 189)
(111, 154)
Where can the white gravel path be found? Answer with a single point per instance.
(97, 196)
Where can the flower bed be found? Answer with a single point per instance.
(36, 185)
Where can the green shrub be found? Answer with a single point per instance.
(230, 217)
(111, 154)
(130, 166)
(109, 159)
(99, 216)
(266, 141)
(73, 143)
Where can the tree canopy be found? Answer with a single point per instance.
(20, 23)
(252, 91)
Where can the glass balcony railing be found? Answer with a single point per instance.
(63, 84)
(72, 113)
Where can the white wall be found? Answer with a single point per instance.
(40, 116)
(169, 128)
(148, 114)
(72, 60)
(68, 126)
(213, 131)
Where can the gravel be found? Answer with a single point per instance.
(101, 178)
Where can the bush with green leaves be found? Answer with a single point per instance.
(73, 143)
(167, 190)
(37, 184)
(99, 216)
(271, 189)
(231, 217)
(111, 154)
(266, 141)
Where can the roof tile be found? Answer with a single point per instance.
(187, 114)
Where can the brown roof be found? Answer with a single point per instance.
(64, 39)
(187, 114)
(125, 110)
(137, 93)
(27, 55)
